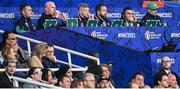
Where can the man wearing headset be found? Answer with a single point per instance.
(51, 14)
(128, 17)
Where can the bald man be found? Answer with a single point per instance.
(51, 14)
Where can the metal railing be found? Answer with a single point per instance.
(34, 82)
(69, 52)
(53, 69)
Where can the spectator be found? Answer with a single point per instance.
(77, 83)
(24, 24)
(6, 77)
(83, 15)
(129, 17)
(151, 14)
(92, 65)
(37, 55)
(64, 82)
(166, 65)
(49, 60)
(138, 78)
(104, 83)
(101, 15)
(161, 81)
(51, 14)
(105, 72)
(48, 75)
(8, 52)
(64, 70)
(133, 85)
(89, 80)
(34, 74)
(173, 81)
(9, 38)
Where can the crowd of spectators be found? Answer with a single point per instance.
(43, 58)
(51, 17)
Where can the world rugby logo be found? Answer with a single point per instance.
(147, 35)
(93, 34)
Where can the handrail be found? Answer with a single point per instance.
(53, 69)
(34, 82)
(59, 48)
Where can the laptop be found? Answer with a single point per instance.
(152, 23)
(168, 47)
(72, 22)
(117, 23)
(50, 23)
(91, 23)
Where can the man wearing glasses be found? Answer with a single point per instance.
(34, 74)
(51, 14)
(151, 14)
(89, 80)
(166, 65)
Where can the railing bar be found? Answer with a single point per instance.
(29, 48)
(34, 82)
(69, 59)
(53, 69)
(68, 64)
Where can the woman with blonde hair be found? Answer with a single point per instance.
(39, 52)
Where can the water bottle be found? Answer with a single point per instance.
(165, 23)
(179, 24)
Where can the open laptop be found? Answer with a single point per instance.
(91, 23)
(168, 47)
(152, 23)
(72, 22)
(50, 23)
(117, 23)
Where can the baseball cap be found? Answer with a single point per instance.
(152, 6)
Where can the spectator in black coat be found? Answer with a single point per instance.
(151, 14)
(101, 15)
(24, 24)
(51, 14)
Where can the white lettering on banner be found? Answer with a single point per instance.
(36, 16)
(152, 35)
(126, 35)
(114, 15)
(165, 15)
(101, 35)
(138, 15)
(175, 35)
(7, 15)
(172, 60)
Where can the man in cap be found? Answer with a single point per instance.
(151, 14)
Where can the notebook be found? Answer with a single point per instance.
(152, 23)
(50, 22)
(72, 22)
(91, 23)
(117, 23)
